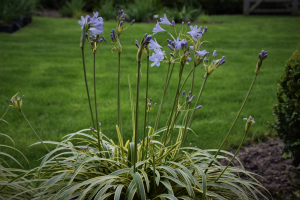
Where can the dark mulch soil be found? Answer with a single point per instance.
(265, 159)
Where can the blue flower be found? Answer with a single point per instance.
(165, 20)
(157, 57)
(157, 29)
(95, 23)
(154, 45)
(83, 21)
(195, 33)
(177, 44)
(201, 53)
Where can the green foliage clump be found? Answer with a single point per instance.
(183, 14)
(12, 9)
(106, 10)
(73, 8)
(140, 10)
(287, 111)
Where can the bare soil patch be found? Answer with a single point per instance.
(278, 174)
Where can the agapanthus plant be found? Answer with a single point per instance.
(89, 165)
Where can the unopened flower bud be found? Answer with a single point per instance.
(103, 38)
(189, 23)
(18, 98)
(137, 45)
(187, 97)
(140, 141)
(214, 53)
(173, 23)
(249, 122)
(182, 23)
(150, 99)
(132, 22)
(183, 93)
(173, 44)
(121, 23)
(170, 47)
(123, 17)
(99, 124)
(23, 96)
(190, 144)
(112, 37)
(188, 102)
(92, 43)
(86, 36)
(91, 128)
(190, 92)
(172, 55)
(198, 107)
(155, 104)
(148, 38)
(149, 105)
(148, 137)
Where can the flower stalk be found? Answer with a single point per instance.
(146, 106)
(95, 97)
(233, 123)
(168, 77)
(86, 86)
(136, 115)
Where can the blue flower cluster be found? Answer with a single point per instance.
(94, 24)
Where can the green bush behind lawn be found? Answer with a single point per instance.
(43, 62)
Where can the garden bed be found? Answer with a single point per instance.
(265, 159)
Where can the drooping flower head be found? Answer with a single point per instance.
(157, 29)
(157, 57)
(165, 21)
(154, 45)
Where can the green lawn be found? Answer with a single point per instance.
(43, 62)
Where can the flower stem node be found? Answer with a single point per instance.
(249, 122)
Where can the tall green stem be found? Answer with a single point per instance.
(186, 79)
(232, 157)
(187, 114)
(95, 97)
(136, 116)
(86, 86)
(196, 104)
(146, 106)
(233, 122)
(166, 134)
(4, 113)
(162, 99)
(119, 119)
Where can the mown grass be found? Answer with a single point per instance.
(43, 62)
